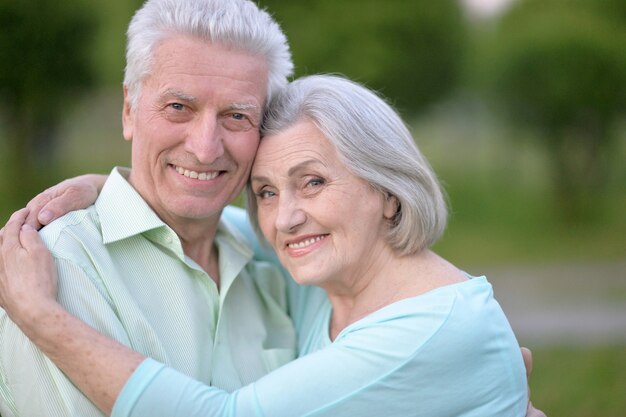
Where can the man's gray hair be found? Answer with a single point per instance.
(375, 144)
(239, 24)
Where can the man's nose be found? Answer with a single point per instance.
(206, 141)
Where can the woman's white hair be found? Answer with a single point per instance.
(239, 24)
(375, 144)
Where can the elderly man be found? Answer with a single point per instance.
(150, 264)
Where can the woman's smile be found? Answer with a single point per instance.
(304, 245)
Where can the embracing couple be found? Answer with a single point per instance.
(150, 296)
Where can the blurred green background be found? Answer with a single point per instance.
(519, 105)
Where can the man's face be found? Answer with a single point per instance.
(195, 129)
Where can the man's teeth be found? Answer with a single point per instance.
(205, 176)
(305, 242)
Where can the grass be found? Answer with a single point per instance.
(576, 382)
(500, 224)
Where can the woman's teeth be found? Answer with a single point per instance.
(305, 242)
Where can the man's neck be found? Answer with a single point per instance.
(206, 255)
(198, 242)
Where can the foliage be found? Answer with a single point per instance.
(562, 71)
(411, 51)
(579, 382)
(45, 60)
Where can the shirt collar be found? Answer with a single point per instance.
(234, 253)
(122, 211)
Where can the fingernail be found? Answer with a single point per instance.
(45, 216)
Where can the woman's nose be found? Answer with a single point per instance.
(290, 214)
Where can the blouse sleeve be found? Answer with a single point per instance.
(339, 380)
(321, 383)
(431, 360)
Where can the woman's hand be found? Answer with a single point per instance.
(99, 366)
(72, 194)
(28, 279)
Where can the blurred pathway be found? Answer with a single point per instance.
(563, 303)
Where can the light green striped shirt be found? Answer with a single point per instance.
(123, 271)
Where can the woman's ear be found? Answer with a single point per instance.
(391, 205)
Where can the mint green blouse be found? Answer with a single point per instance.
(449, 352)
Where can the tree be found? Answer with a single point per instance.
(410, 50)
(559, 67)
(45, 62)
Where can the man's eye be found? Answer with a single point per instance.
(237, 122)
(177, 106)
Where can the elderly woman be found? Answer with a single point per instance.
(349, 205)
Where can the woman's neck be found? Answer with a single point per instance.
(394, 279)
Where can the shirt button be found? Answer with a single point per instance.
(168, 239)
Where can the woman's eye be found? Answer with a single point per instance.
(315, 182)
(263, 194)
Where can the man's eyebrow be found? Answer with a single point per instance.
(243, 106)
(252, 110)
(178, 95)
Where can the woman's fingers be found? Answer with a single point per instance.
(36, 206)
(28, 273)
(11, 232)
(31, 241)
(19, 235)
(72, 194)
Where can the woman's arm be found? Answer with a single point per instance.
(99, 366)
(72, 194)
(325, 381)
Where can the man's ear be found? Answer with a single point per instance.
(390, 206)
(128, 116)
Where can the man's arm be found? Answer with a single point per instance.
(528, 363)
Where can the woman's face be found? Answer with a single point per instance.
(326, 225)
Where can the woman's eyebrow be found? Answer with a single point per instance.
(292, 171)
(302, 166)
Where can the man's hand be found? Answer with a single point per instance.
(72, 194)
(528, 363)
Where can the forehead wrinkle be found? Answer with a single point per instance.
(303, 165)
(292, 171)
